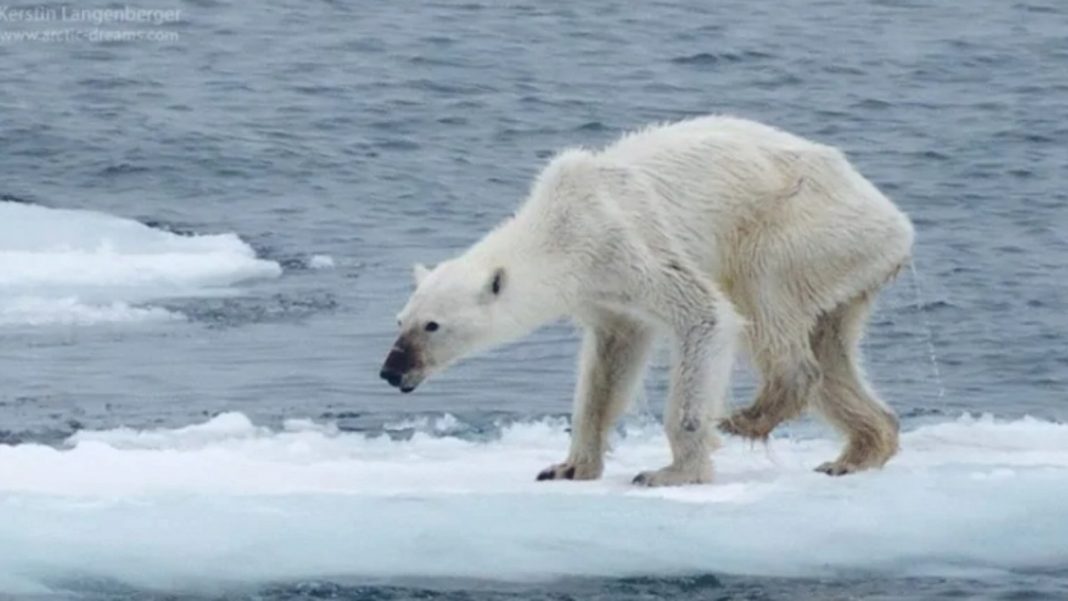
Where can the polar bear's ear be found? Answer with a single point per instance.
(496, 283)
(419, 273)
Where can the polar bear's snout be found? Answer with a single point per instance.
(402, 367)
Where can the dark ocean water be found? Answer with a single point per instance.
(386, 133)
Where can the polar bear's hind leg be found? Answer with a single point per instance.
(845, 398)
(784, 395)
(778, 340)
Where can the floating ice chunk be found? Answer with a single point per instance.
(320, 262)
(108, 264)
(37, 311)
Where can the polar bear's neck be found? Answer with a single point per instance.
(535, 273)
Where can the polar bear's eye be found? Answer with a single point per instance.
(432, 326)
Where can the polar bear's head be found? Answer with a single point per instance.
(455, 310)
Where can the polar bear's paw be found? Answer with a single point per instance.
(838, 468)
(747, 424)
(571, 471)
(674, 476)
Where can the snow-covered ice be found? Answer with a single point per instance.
(228, 502)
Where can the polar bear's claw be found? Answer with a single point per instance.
(569, 471)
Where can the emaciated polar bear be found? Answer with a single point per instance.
(713, 230)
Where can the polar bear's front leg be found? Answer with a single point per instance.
(706, 336)
(614, 352)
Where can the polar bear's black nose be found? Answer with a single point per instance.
(398, 363)
(393, 377)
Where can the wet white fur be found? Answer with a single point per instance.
(713, 232)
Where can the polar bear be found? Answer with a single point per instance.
(719, 233)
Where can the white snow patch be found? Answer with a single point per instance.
(228, 502)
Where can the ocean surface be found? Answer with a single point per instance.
(207, 226)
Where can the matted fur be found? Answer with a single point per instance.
(718, 233)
